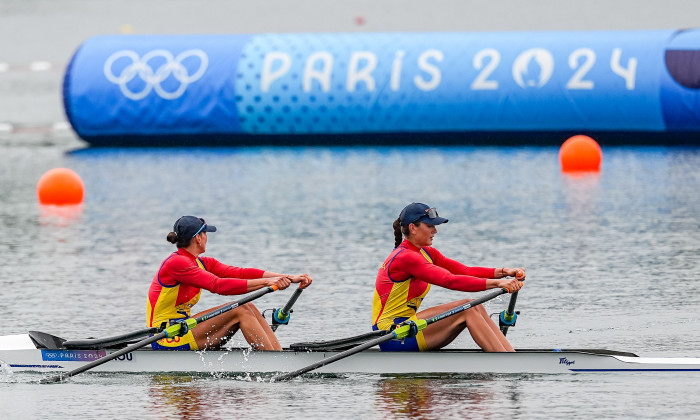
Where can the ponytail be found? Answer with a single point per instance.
(398, 238)
(180, 243)
(401, 231)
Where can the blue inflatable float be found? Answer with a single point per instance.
(384, 87)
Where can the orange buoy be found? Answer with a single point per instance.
(580, 153)
(60, 186)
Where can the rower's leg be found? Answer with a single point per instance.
(443, 332)
(496, 331)
(256, 330)
(215, 332)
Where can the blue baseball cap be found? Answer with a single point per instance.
(419, 212)
(187, 227)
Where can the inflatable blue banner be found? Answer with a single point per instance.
(305, 84)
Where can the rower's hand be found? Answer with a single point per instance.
(303, 279)
(518, 273)
(281, 282)
(511, 285)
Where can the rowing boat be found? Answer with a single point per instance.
(41, 352)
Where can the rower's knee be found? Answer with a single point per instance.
(249, 310)
(473, 313)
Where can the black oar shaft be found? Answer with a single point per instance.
(342, 355)
(164, 334)
(233, 305)
(470, 304)
(390, 335)
(281, 316)
(510, 312)
(62, 376)
(288, 307)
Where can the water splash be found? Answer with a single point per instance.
(7, 375)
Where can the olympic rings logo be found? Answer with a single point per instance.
(153, 78)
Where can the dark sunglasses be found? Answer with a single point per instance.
(431, 213)
(204, 226)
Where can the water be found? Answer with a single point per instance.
(613, 259)
(612, 263)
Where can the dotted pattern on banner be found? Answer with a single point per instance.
(390, 100)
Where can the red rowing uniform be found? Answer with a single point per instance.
(405, 278)
(177, 286)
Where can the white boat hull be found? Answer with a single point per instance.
(18, 353)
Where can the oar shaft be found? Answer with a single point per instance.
(164, 334)
(111, 356)
(364, 346)
(399, 332)
(281, 316)
(470, 304)
(510, 312)
(288, 307)
(233, 305)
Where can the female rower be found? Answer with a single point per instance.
(179, 282)
(407, 274)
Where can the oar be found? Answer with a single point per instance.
(172, 331)
(509, 316)
(101, 343)
(403, 330)
(281, 316)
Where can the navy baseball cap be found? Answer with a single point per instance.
(187, 227)
(419, 212)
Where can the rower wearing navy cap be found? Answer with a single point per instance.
(178, 284)
(413, 266)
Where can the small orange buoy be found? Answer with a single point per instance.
(580, 153)
(60, 186)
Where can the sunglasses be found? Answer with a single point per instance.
(204, 226)
(431, 213)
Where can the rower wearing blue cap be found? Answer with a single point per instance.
(406, 276)
(178, 284)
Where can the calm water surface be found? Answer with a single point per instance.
(612, 263)
(613, 260)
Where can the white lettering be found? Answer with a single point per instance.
(577, 81)
(627, 73)
(424, 65)
(322, 76)
(355, 75)
(396, 70)
(268, 76)
(481, 82)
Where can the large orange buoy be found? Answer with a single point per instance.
(580, 153)
(60, 186)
